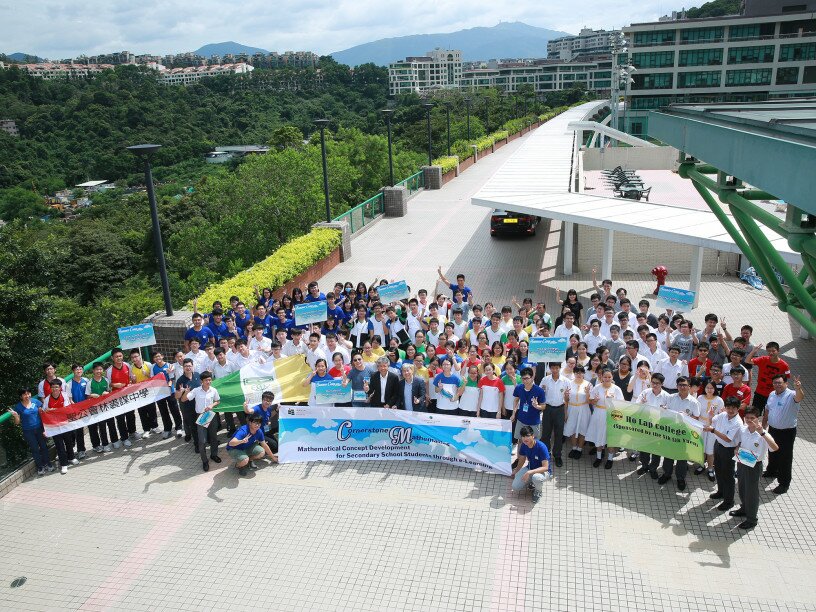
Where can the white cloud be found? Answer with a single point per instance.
(60, 29)
(469, 436)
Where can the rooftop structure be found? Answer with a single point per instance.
(739, 58)
(9, 126)
(50, 71)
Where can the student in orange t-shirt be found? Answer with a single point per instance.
(738, 389)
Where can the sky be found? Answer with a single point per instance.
(58, 29)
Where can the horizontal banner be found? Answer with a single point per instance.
(311, 312)
(393, 292)
(94, 410)
(136, 336)
(547, 349)
(657, 431)
(284, 377)
(379, 434)
(672, 298)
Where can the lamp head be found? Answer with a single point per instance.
(387, 112)
(144, 150)
(321, 123)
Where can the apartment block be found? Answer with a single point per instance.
(741, 58)
(587, 42)
(192, 74)
(595, 74)
(437, 69)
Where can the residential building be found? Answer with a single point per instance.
(50, 71)
(192, 74)
(9, 126)
(543, 75)
(739, 58)
(437, 69)
(588, 42)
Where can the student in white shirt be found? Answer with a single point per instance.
(753, 439)
(314, 352)
(594, 338)
(681, 402)
(567, 329)
(206, 399)
(295, 346)
(724, 428)
(657, 398)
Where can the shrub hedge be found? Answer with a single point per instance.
(290, 260)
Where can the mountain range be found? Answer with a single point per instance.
(504, 40)
(230, 46)
(22, 57)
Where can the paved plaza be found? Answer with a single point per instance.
(145, 529)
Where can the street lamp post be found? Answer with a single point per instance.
(322, 123)
(447, 112)
(387, 112)
(428, 106)
(468, 102)
(144, 151)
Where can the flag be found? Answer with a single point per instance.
(284, 377)
(94, 410)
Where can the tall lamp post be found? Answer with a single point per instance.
(468, 102)
(322, 123)
(144, 151)
(387, 112)
(447, 112)
(619, 74)
(428, 106)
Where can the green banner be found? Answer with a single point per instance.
(654, 430)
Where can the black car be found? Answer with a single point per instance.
(506, 222)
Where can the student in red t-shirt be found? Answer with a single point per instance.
(768, 366)
(64, 442)
(695, 366)
(119, 376)
(738, 389)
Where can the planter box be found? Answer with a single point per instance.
(318, 270)
(463, 165)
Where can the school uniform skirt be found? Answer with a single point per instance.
(596, 430)
(577, 420)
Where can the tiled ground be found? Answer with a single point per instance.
(147, 530)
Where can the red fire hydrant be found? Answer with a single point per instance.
(660, 273)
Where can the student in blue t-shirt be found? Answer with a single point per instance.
(533, 468)
(529, 403)
(268, 412)
(313, 293)
(249, 444)
(26, 414)
(217, 325)
(76, 391)
(199, 331)
(467, 292)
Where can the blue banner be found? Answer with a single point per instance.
(393, 292)
(378, 434)
(136, 336)
(332, 392)
(679, 300)
(312, 312)
(548, 349)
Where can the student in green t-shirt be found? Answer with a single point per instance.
(97, 387)
(510, 379)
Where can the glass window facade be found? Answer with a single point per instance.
(657, 59)
(652, 81)
(797, 53)
(710, 78)
(658, 37)
(699, 35)
(751, 32)
(650, 102)
(751, 55)
(746, 78)
(809, 75)
(787, 76)
(701, 57)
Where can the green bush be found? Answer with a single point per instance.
(292, 259)
(485, 142)
(448, 163)
(462, 149)
(498, 135)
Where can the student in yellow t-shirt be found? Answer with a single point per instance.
(140, 372)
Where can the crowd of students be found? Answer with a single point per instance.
(445, 352)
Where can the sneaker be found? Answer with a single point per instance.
(81, 455)
(179, 433)
(536, 496)
(711, 476)
(74, 461)
(634, 456)
(156, 430)
(98, 449)
(166, 435)
(243, 470)
(64, 469)
(145, 435)
(117, 444)
(699, 470)
(128, 443)
(107, 448)
(41, 472)
(49, 468)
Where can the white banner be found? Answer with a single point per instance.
(367, 434)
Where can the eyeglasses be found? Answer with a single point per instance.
(526, 378)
